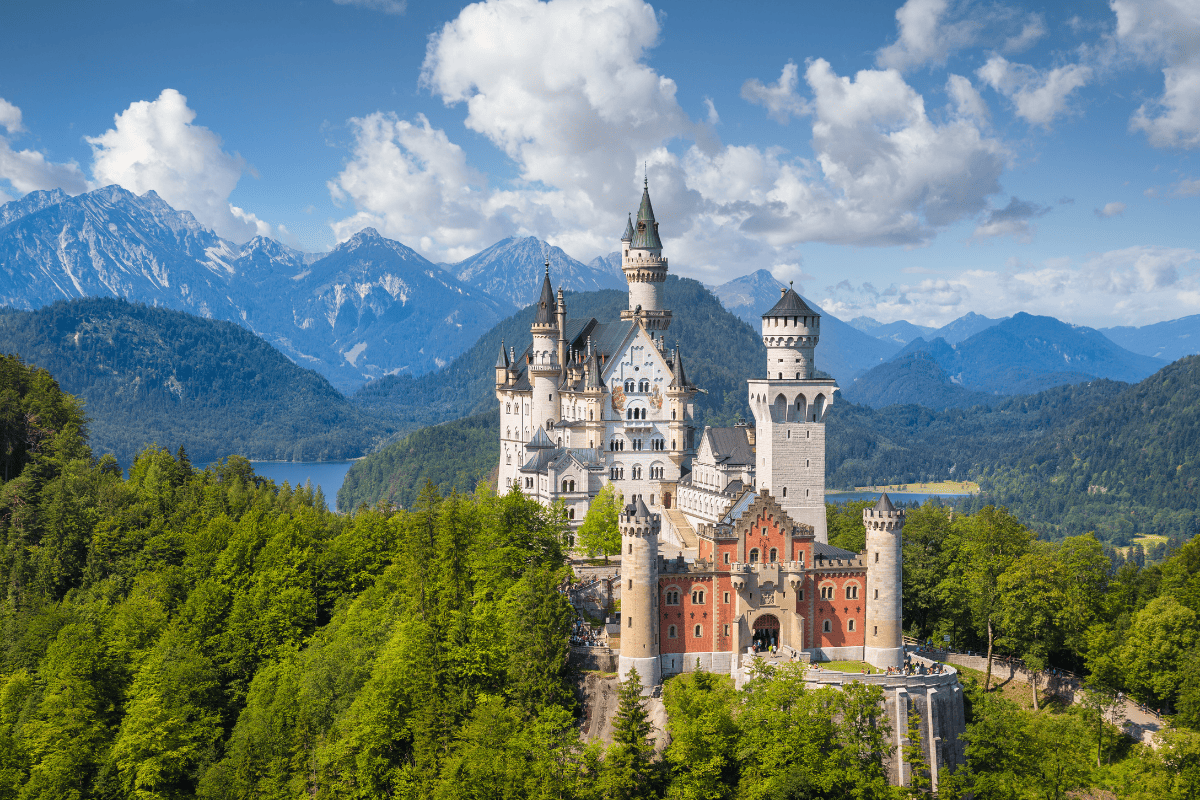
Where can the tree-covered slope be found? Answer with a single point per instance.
(913, 375)
(1129, 466)
(719, 352)
(153, 375)
(453, 455)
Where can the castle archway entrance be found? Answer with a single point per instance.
(666, 499)
(766, 632)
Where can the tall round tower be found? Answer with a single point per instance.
(639, 592)
(885, 573)
(791, 331)
(644, 267)
(545, 369)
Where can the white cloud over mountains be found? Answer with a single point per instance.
(1129, 286)
(152, 145)
(579, 113)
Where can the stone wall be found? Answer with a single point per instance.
(593, 659)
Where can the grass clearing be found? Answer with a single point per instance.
(947, 487)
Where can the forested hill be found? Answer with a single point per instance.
(153, 375)
(1131, 465)
(720, 352)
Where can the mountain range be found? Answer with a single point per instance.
(1023, 354)
(374, 307)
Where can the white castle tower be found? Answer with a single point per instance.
(885, 559)
(545, 367)
(644, 267)
(789, 412)
(639, 592)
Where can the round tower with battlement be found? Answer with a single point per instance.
(639, 592)
(885, 558)
(545, 369)
(644, 267)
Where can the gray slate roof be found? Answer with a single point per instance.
(628, 235)
(828, 551)
(540, 441)
(791, 305)
(884, 504)
(545, 310)
(731, 445)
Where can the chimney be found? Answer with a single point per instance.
(782, 291)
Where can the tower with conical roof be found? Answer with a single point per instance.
(789, 408)
(884, 646)
(640, 529)
(545, 366)
(644, 267)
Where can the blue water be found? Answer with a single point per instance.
(897, 497)
(329, 475)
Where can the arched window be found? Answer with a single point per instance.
(629, 413)
(508, 408)
(629, 385)
(672, 413)
(672, 597)
(697, 597)
(754, 555)
(509, 455)
(570, 513)
(671, 632)
(850, 625)
(774, 555)
(697, 631)
(827, 626)
(852, 592)
(826, 592)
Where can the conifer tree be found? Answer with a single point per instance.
(628, 770)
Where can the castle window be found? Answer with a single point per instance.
(637, 472)
(509, 455)
(726, 597)
(801, 597)
(631, 579)
(727, 561)
(785, 488)
(629, 385)
(643, 386)
(671, 632)
(754, 555)
(876, 630)
(672, 598)
(672, 413)
(697, 631)
(827, 626)
(850, 625)
(852, 592)
(508, 408)
(876, 556)
(726, 630)
(570, 513)
(774, 555)
(631, 622)
(826, 592)
(651, 499)
(697, 597)
(876, 594)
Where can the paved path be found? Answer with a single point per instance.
(1139, 724)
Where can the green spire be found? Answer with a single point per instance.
(646, 235)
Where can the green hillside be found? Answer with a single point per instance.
(719, 352)
(152, 375)
(1130, 466)
(453, 455)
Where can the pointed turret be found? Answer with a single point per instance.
(883, 506)
(678, 378)
(546, 307)
(645, 237)
(628, 235)
(502, 359)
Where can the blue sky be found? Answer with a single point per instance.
(914, 161)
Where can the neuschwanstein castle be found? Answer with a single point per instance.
(596, 402)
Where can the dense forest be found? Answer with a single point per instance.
(206, 633)
(155, 376)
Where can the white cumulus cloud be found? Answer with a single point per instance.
(1167, 33)
(1038, 95)
(927, 34)
(154, 146)
(1111, 210)
(580, 114)
(779, 98)
(29, 170)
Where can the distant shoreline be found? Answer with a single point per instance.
(938, 487)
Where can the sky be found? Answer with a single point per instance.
(900, 161)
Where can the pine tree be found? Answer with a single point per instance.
(919, 782)
(628, 770)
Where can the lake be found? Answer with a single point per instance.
(897, 497)
(329, 475)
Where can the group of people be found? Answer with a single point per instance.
(584, 635)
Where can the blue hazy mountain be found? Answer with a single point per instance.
(1171, 340)
(369, 308)
(512, 270)
(844, 352)
(901, 332)
(1023, 354)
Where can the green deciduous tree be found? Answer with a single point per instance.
(599, 534)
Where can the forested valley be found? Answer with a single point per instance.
(185, 632)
